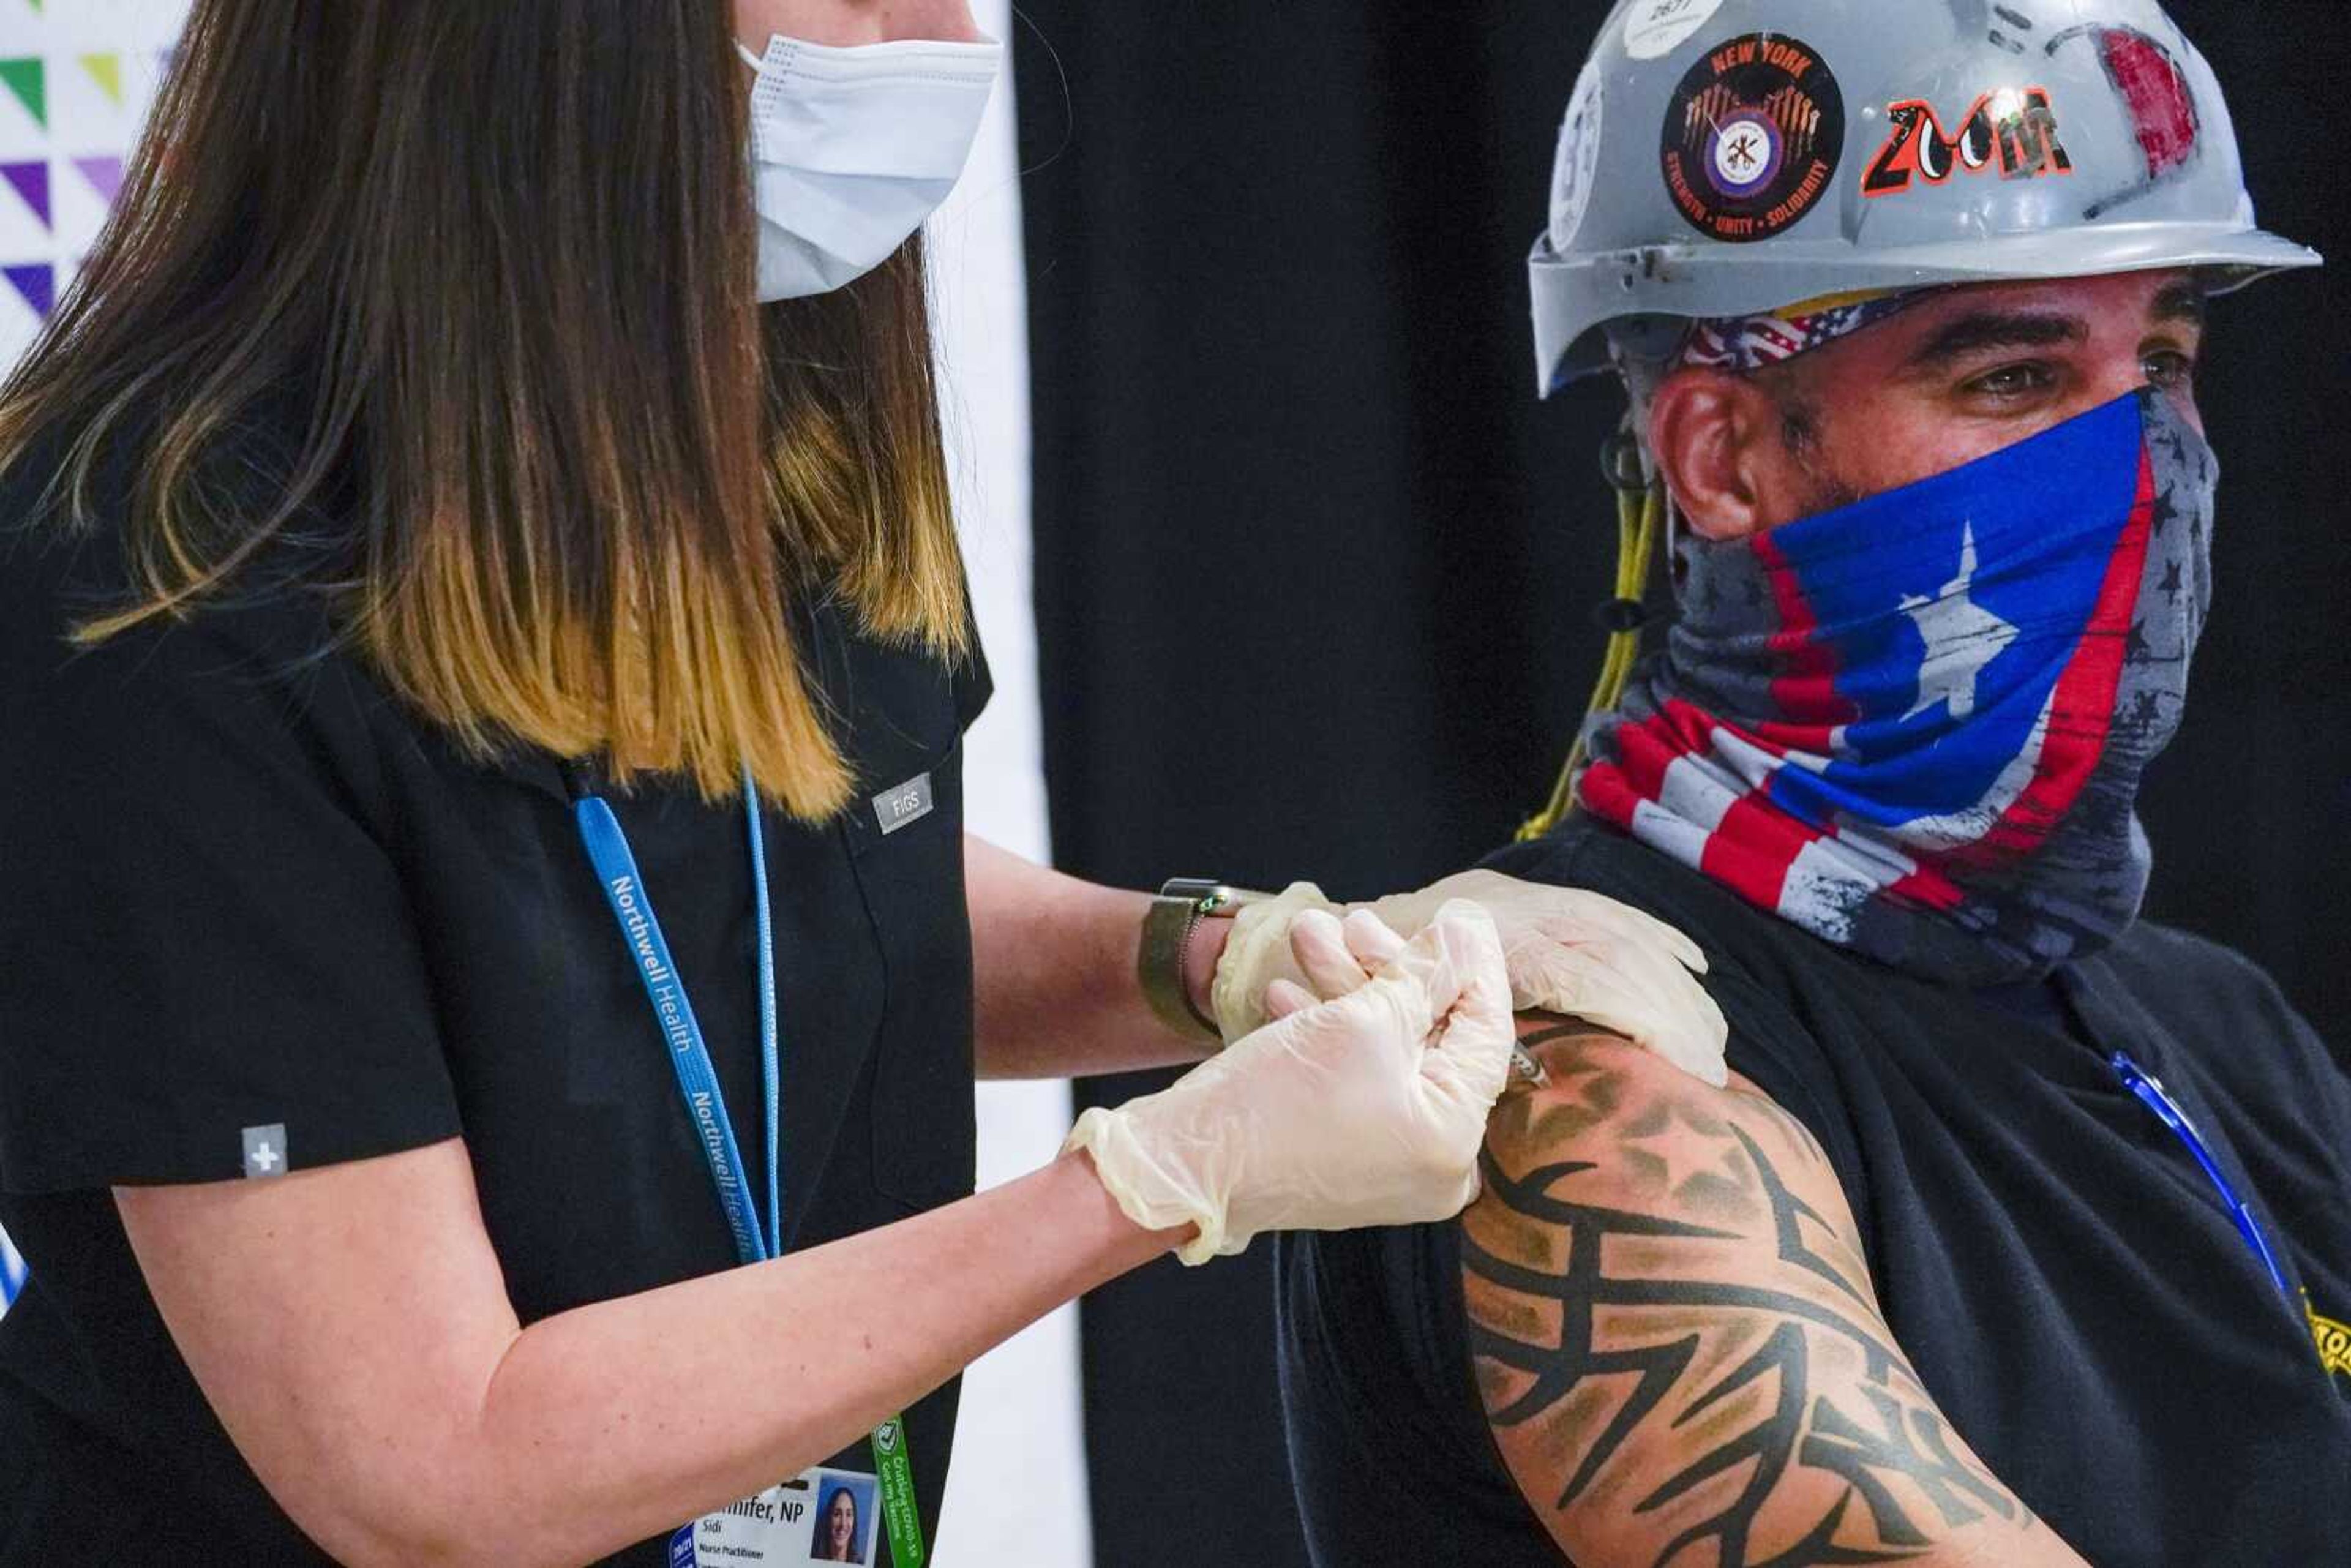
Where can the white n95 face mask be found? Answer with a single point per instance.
(852, 148)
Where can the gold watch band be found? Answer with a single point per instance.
(1168, 926)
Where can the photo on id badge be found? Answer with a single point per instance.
(822, 1516)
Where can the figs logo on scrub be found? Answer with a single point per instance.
(1753, 138)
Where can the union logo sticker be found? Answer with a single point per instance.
(1753, 138)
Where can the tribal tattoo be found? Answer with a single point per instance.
(1683, 1350)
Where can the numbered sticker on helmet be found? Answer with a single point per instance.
(1655, 28)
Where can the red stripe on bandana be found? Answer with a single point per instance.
(1804, 691)
(1753, 850)
(1779, 739)
(1756, 843)
(1603, 791)
(1644, 752)
(1613, 788)
(1929, 888)
(2081, 710)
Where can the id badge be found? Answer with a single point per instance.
(818, 1516)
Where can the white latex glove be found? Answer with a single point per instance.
(1366, 1110)
(1569, 952)
(1336, 957)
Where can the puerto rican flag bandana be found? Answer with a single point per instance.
(1915, 726)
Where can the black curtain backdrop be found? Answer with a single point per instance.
(1314, 568)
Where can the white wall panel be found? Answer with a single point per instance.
(1016, 1497)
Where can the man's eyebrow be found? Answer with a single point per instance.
(2180, 303)
(1998, 329)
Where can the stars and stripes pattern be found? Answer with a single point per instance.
(1878, 721)
(1741, 344)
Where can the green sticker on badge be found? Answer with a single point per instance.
(902, 1516)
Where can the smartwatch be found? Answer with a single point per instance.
(1167, 929)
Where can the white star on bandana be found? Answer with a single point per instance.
(1960, 639)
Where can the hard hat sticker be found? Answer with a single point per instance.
(1655, 28)
(2154, 93)
(1577, 171)
(2013, 130)
(1753, 138)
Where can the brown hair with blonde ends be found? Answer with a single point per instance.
(580, 484)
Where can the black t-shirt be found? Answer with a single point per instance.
(244, 888)
(2060, 1270)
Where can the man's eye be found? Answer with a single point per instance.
(2014, 381)
(2169, 368)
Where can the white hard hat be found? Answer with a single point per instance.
(1731, 157)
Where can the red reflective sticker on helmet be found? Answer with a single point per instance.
(2013, 130)
(2156, 93)
(1753, 138)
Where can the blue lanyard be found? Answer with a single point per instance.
(2157, 1099)
(697, 1081)
(698, 1085)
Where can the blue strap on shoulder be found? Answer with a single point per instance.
(697, 1080)
(2151, 1093)
(770, 1073)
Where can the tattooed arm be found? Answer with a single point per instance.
(1677, 1344)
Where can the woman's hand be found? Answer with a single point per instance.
(1568, 952)
(1365, 1109)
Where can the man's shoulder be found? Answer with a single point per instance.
(1650, 1256)
(1582, 853)
(2162, 957)
(1745, 942)
(2225, 1011)
(1798, 1007)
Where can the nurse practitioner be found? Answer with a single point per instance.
(490, 967)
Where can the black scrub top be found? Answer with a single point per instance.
(242, 887)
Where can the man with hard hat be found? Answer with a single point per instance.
(2022, 1231)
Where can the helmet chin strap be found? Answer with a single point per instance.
(1643, 512)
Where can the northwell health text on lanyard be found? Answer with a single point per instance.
(697, 1083)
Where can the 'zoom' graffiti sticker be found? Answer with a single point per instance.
(2012, 131)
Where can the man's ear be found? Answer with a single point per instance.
(1714, 436)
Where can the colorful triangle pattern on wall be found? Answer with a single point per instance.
(30, 181)
(104, 174)
(36, 283)
(105, 70)
(28, 82)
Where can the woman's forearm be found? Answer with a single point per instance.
(614, 1422)
(1053, 960)
(375, 1377)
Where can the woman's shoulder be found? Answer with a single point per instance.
(67, 562)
